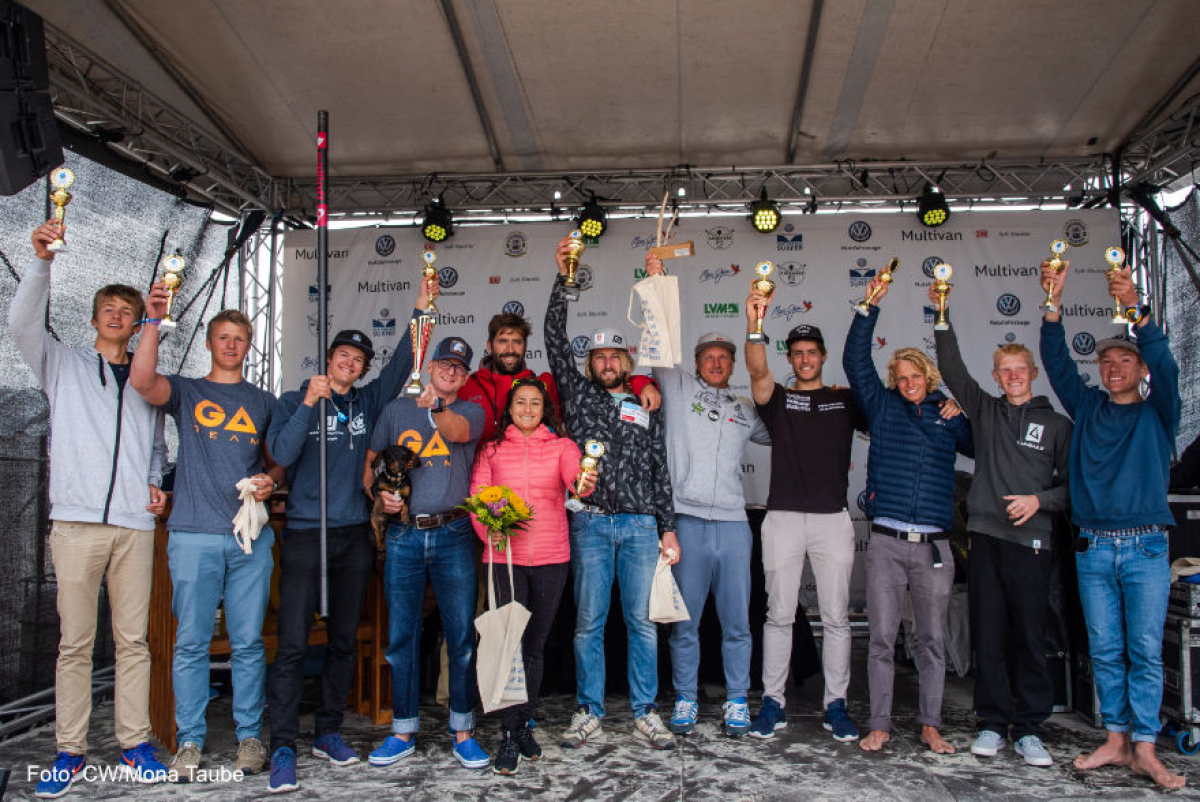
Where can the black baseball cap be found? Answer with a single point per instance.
(805, 332)
(453, 348)
(1119, 341)
(354, 338)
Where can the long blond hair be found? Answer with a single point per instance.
(933, 377)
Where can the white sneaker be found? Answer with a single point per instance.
(651, 728)
(1031, 748)
(584, 724)
(987, 744)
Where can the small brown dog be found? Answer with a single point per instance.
(391, 475)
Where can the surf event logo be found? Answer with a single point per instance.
(792, 273)
(384, 325)
(719, 238)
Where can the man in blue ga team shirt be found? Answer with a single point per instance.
(222, 421)
(1119, 467)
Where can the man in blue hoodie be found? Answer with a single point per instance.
(294, 441)
(1120, 469)
(910, 499)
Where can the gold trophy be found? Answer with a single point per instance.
(1115, 258)
(577, 247)
(1057, 249)
(172, 276)
(421, 330)
(941, 285)
(593, 450)
(60, 179)
(863, 307)
(767, 287)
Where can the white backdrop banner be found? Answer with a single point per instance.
(823, 263)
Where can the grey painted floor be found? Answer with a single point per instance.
(801, 762)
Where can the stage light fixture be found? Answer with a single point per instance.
(764, 214)
(592, 220)
(438, 223)
(932, 209)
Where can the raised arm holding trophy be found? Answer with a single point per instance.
(60, 179)
(863, 307)
(763, 284)
(172, 276)
(941, 286)
(1116, 259)
(421, 328)
(1057, 249)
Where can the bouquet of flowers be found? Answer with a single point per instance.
(500, 510)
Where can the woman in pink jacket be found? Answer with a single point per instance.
(541, 465)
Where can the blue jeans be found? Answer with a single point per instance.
(204, 568)
(446, 555)
(716, 556)
(1124, 583)
(625, 547)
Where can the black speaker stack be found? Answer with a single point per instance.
(29, 143)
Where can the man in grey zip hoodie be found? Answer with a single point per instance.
(1022, 447)
(707, 427)
(106, 454)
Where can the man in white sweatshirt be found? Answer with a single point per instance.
(107, 453)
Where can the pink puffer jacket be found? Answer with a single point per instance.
(540, 469)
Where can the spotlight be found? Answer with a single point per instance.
(592, 221)
(932, 209)
(764, 213)
(438, 224)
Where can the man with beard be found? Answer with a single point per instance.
(504, 363)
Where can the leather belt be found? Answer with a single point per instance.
(594, 510)
(911, 537)
(437, 519)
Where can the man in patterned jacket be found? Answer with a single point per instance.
(619, 532)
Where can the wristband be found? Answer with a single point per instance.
(441, 407)
(146, 320)
(1136, 313)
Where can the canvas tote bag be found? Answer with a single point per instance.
(499, 667)
(666, 602)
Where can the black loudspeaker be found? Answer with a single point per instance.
(22, 49)
(29, 143)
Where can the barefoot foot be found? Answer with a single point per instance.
(875, 741)
(1114, 752)
(934, 740)
(1147, 764)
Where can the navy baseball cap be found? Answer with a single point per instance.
(805, 332)
(1119, 341)
(354, 338)
(453, 348)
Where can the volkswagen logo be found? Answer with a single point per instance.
(579, 346)
(447, 277)
(929, 264)
(385, 245)
(385, 312)
(514, 308)
(1008, 304)
(862, 501)
(1083, 343)
(859, 231)
(1009, 337)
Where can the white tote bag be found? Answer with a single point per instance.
(658, 301)
(500, 668)
(666, 602)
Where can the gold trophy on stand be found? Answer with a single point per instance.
(863, 307)
(1115, 258)
(1057, 249)
(767, 287)
(941, 285)
(60, 179)
(172, 276)
(593, 450)
(577, 247)
(421, 329)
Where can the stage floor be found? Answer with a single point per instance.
(801, 762)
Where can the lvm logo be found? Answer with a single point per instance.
(721, 309)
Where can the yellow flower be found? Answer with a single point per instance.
(519, 506)
(490, 495)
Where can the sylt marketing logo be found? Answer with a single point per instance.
(385, 245)
(642, 242)
(579, 346)
(385, 324)
(792, 273)
(1083, 343)
(783, 242)
(515, 244)
(514, 308)
(719, 237)
(727, 309)
(447, 277)
(1008, 304)
(714, 276)
(859, 231)
(791, 310)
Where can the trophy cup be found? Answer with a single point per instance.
(577, 247)
(172, 276)
(593, 450)
(421, 329)
(941, 285)
(863, 307)
(1115, 258)
(767, 287)
(1057, 249)
(60, 179)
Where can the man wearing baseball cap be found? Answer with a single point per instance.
(1120, 468)
(438, 543)
(294, 441)
(628, 517)
(812, 427)
(707, 426)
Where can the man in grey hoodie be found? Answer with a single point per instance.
(107, 454)
(707, 427)
(1021, 452)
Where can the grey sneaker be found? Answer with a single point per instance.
(651, 728)
(186, 762)
(251, 756)
(584, 724)
(1030, 747)
(987, 744)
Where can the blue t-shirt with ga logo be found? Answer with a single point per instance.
(221, 435)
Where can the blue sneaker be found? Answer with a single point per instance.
(283, 771)
(471, 754)
(331, 747)
(57, 780)
(143, 764)
(392, 749)
(770, 718)
(837, 721)
(737, 716)
(683, 720)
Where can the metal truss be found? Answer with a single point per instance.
(1167, 152)
(96, 99)
(260, 283)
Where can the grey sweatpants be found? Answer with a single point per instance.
(892, 566)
